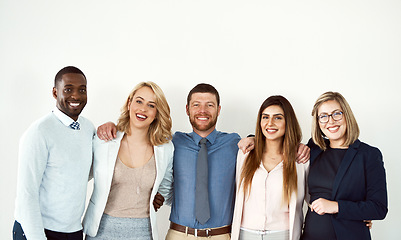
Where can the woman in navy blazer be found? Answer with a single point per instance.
(347, 182)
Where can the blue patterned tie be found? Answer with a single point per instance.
(202, 209)
(75, 125)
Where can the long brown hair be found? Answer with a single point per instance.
(292, 138)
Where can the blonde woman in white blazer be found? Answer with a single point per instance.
(129, 170)
(270, 184)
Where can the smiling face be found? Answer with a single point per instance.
(203, 111)
(333, 130)
(70, 93)
(142, 108)
(272, 123)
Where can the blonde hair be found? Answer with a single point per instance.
(292, 138)
(160, 129)
(352, 129)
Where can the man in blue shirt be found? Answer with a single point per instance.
(203, 108)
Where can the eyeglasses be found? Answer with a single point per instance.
(336, 116)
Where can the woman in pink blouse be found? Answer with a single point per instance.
(270, 184)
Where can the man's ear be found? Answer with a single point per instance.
(187, 109)
(218, 110)
(54, 92)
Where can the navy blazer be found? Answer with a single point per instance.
(359, 188)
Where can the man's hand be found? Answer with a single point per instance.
(158, 201)
(246, 144)
(303, 153)
(107, 131)
(322, 206)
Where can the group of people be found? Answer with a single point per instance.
(218, 186)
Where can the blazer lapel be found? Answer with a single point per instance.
(113, 148)
(345, 163)
(314, 155)
(315, 151)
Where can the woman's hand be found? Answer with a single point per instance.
(303, 153)
(369, 223)
(107, 131)
(322, 206)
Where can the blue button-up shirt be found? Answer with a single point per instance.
(222, 153)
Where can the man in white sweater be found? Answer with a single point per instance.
(55, 156)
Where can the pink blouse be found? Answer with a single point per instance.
(264, 208)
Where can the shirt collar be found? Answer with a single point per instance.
(211, 137)
(66, 120)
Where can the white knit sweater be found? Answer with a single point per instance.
(53, 169)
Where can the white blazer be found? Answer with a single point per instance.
(295, 207)
(104, 159)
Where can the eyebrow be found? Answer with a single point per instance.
(339, 110)
(204, 102)
(277, 114)
(144, 99)
(71, 85)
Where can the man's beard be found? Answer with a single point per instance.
(210, 125)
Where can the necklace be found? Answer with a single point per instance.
(270, 162)
(276, 158)
(138, 182)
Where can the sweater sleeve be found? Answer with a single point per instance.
(32, 161)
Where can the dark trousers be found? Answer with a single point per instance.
(18, 234)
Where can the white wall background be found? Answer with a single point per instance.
(248, 50)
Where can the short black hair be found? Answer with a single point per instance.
(65, 70)
(204, 88)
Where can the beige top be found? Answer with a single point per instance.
(130, 190)
(264, 209)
